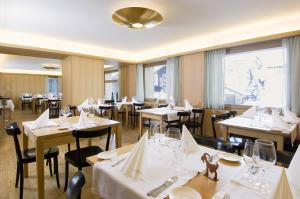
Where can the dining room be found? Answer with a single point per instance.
(150, 99)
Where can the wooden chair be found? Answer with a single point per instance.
(26, 100)
(215, 143)
(238, 142)
(183, 119)
(75, 186)
(78, 157)
(134, 115)
(162, 105)
(197, 120)
(54, 108)
(29, 156)
(73, 110)
(284, 157)
(105, 110)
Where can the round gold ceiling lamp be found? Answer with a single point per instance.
(137, 17)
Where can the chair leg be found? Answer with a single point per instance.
(69, 147)
(66, 175)
(21, 180)
(56, 171)
(17, 175)
(50, 166)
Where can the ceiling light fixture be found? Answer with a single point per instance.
(137, 17)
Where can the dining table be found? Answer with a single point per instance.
(227, 172)
(159, 114)
(47, 137)
(255, 128)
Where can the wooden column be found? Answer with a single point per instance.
(82, 77)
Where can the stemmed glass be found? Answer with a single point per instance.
(265, 157)
(65, 112)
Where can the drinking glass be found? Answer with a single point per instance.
(65, 112)
(151, 135)
(266, 158)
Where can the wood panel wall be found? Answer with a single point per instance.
(129, 79)
(82, 77)
(13, 85)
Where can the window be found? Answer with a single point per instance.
(255, 78)
(111, 85)
(155, 81)
(53, 85)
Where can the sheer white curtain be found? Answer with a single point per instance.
(291, 47)
(214, 78)
(173, 71)
(139, 92)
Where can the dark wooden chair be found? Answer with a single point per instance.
(162, 105)
(26, 100)
(107, 109)
(238, 142)
(75, 186)
(183, 119)
(29, 156)
(54, 108)
(38, 104)
(78, 157)
(215, 143)
(284, 157)
(197, 120)
(134, 115)
(73, 110)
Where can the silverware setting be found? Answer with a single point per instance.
(118, 162)
(156, 191)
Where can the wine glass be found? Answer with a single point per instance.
(151, 135)
(65, 112)
(266, 158)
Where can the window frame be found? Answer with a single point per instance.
(110, 81)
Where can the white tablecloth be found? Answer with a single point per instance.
(10, 105)
(110, 183)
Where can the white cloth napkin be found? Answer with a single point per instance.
(82, 105)
(293, 171)
(136, 162)
(83, 121)
(250, 113)
(289, 116)
(43, 121)
(283, 189)
(189, 144)
(124, 99)
(278, 122)
(187, 105)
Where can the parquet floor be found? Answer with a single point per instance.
(8, 164)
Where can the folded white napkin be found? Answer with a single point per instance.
(187, 105)
(189, 144)
(283, 189)
(82, 105)
(83, 121)
(278, 122)
(289, 116)
(43, 121)
(136, 162)
(250, 113)
(124, 99)
(293, 171)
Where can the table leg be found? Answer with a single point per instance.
(118, 137)
(280, 144)
(141, 125)
(161, 125)
(25, 146)
(126, 117)
(40, 168)
(225, 133)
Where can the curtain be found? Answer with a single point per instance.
(139, 92)
(173, 71)
(120, 82)
(214, 78)
(291, 48)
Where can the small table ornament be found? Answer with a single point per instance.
(210, 166)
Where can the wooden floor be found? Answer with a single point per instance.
(8, 164)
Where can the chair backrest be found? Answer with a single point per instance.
(137, 106)
(75, 186)
(13, 130)
(54, 107)
(216, 118)
(198, 115)
(72, 110)
(162, 105)
(214, 143)
(231, 113)
(111, 102)
(184, 116)
(90, 134)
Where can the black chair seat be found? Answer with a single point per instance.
(72, 156)
(284, 157)
(29, 155)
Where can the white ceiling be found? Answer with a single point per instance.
(30, 65)
(86, 27)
